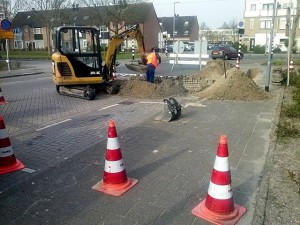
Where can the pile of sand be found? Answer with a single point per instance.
(235, 86)
(213, 70)
(139, 88)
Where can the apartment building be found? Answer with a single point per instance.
(258, 16)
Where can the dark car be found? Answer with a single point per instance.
(168, 48)
(225, 52)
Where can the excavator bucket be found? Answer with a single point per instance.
(137, 67)
(172, 110)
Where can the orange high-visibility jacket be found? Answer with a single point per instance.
(151, 58)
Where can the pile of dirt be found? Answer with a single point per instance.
(139, 88)
(213, 70)
(235, 86)
(253, 72)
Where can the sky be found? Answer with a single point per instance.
(213, 12)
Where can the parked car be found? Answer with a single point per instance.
(210, 47)
(169, 48)
(225, 52)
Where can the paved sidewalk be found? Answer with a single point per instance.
(20, 72)
(172, 161)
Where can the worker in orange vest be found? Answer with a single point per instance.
(153, 60)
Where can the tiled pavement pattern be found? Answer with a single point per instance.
(69, 157)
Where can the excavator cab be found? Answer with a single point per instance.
(77, 64)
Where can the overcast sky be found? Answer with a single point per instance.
(213, 12)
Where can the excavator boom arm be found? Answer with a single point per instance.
(117, 40)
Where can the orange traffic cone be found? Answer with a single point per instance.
(8, 161)
(2, 100)
(218, 207)
(115, 181)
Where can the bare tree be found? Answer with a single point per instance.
(10, 8)
(224, 26)
(50, 13)
(232, 25)
(203, 26)
(113, 11)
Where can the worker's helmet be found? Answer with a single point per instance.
(154, 49)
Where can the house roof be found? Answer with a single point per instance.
(132, 14)
(183, 24)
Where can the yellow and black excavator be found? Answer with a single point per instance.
(77, 65)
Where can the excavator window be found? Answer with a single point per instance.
(81, 46)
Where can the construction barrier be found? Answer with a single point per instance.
(2, 100)
(188, 59)
(115, 181)
(218, 207)
(8, 161)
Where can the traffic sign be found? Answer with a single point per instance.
(6, 34)
(241, 25)
(178, 47)
(5, 24)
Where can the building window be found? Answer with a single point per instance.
(282, 23)
(19, 44)
(265, 24)
(37, 30)
(186, 23)
(268, 6)
(186, 33)
(104, 29)
(286, 5)
(175, 33)
(251, 24)
(253, 7)
(84, 44)
(86, 17)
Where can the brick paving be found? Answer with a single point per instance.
(172, 161)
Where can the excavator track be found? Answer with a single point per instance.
(87, 93)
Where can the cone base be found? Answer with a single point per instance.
(218, 218)
(16, 166)
(115, 189)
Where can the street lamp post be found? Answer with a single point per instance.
(174, 22)
(268, 70)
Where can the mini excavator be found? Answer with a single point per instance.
(77, 65)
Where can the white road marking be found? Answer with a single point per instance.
(107, 107)
(28, 170)
(194, 104)
(53, 125)
(151, 102)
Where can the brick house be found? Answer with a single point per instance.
(186, 28)
(32, 31)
